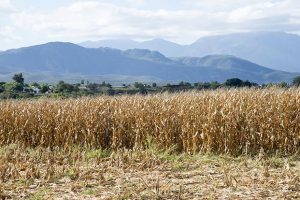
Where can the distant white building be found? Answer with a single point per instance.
(35, 90)
(82, 87)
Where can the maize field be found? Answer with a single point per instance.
(235, 121)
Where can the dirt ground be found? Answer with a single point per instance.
(94, 174)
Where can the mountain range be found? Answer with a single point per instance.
(70, 62)
(276, 50)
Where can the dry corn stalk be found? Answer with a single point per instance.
(224, 121)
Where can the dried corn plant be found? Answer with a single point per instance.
(224, 121)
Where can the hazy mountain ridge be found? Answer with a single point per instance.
(146, 54)
(225, 62)
(59, 59)
(164, 46)
(277, 50)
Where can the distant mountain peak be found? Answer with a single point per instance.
(146, 54)
(158, 40)
(277, 50)
(50, 45)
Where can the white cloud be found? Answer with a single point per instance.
(6, 6)
(7, 34)
(136, 2)
(94, 20)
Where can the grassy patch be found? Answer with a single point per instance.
(92, 154)
(41, 194)
(90, 192)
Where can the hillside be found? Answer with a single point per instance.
(277, 50)
(67, 60)
(280, 51)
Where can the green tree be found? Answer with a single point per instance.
(247, 84)
(202, 86)
(296, 81)
(141, 87)
(110, 91)
(2, 86)
(93, 87)
(234, 82)
(18, 78)
(283, 84)
(215, 85)
(182, 83)
(35, 84)
(143, 90)
(65, 87)
(13, 87)
(45, 88)
(138, 85)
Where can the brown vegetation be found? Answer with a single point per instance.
(225, 121)
(79, 173)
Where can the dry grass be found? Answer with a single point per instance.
(225, 121)
(166, 146)
(151, 174)
(233, 121)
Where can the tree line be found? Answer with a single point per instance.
(17, 88)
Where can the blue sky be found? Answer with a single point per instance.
(24, 23)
